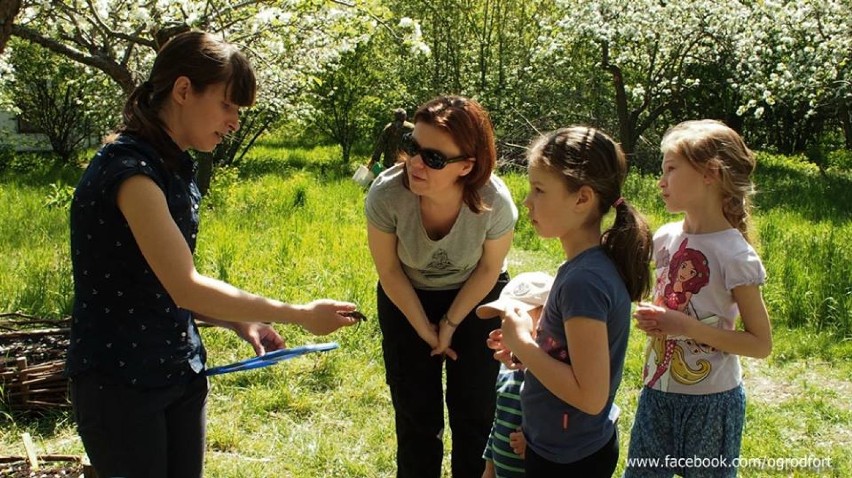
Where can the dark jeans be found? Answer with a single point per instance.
(135, 432)
(600, 464)
(415, 381)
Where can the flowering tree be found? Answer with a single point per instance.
(793, 73)
(288, 41)
(648, 48)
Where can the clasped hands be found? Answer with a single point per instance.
(658, 321)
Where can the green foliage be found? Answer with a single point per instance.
(7, 155)
(70, 104)
(60, 196)
(840, 160)
(345, 95)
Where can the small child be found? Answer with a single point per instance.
(504, 453)
(693, 404)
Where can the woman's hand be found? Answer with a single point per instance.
(323, 316)
(262, 337)
(444, 335)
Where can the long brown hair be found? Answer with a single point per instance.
(467, 122)
(205, 60)
(710, 144)
(586, 156)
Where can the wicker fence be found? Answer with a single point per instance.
(32, 362)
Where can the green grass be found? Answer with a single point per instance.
(290, 224)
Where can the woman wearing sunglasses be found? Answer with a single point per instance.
(439, 227)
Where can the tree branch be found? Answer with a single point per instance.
(120, 74)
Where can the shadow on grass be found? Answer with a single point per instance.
(257, 167)
(815, 196)
(45, 423)
(35, 171)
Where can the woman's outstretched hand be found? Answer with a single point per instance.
(323, 316)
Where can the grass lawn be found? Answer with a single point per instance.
(298, 233)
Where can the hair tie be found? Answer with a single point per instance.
(618, 202)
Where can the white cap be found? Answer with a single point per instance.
(525, 291)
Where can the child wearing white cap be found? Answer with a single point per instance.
(504, 453)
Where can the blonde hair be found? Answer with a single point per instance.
(711, 145)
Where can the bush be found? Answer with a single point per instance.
(840, 160)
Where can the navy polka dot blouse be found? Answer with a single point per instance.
(124, 324)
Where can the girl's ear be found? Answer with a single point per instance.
(181, 89)
(711, 173)
(585, 196)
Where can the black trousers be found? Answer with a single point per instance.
(416, 387)
(600, 464)
(130, 432)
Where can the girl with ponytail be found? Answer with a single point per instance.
(574, 363)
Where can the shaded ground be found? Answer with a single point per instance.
(22, 470)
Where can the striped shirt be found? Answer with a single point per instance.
(507, 419)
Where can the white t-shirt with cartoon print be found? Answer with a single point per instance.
(695, 275)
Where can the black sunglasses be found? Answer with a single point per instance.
(432, 158)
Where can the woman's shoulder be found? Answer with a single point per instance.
(388, 186)
(129, 145)
(388, 181)
(121, 157)
(496, 190)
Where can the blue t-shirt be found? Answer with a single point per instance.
(507, 419)
(588, 286)
(124, 323)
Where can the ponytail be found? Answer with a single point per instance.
(141, 117)
(629, 244)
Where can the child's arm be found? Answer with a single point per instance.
(585, 383)
(489, 470)
(518, 442)
(754, 341)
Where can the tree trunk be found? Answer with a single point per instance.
(625, 123)
(346, 146)
(8, 10)
(845, 115)
(204, 174)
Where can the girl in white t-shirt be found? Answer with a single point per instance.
(691, 410)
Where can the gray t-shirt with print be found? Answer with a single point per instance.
(448, 262)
